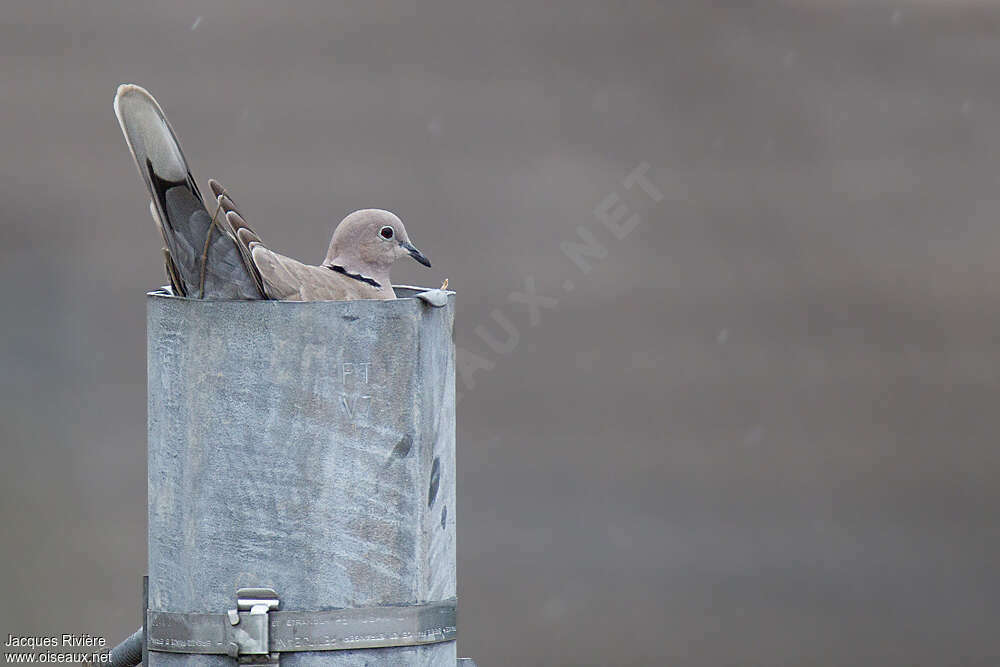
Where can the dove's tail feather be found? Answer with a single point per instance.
(168, 263)
(204, 259)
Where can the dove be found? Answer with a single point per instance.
(218, 256)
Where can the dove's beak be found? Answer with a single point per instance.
(416, 254)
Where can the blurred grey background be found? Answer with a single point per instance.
(760, 431)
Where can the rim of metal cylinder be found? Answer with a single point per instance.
(403, 293)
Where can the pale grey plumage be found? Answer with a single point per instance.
(356, 266)
(218, 256)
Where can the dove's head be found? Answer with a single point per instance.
(367, 242)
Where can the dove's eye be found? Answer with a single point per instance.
(386, 232)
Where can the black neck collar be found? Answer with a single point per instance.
(356, 276)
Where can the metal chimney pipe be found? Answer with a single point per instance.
(304, 447)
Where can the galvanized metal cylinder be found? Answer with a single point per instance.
(305, 447)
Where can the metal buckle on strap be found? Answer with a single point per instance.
(249, 640)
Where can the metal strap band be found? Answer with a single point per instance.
(334, 630)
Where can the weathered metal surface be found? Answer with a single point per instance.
(305, 447)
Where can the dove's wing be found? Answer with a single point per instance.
(288, 279)
(238, 227)
(291, 280)
(205, 259)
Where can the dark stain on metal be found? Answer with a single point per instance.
(350, 318)
(402, 448)
(444, 515)
(435, 481)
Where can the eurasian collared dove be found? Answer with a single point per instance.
(219, 257)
